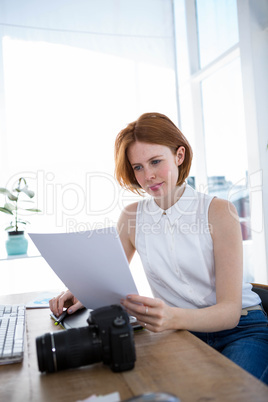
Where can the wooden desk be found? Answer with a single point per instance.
(174, 362)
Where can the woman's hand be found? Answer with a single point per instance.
(65, 299)
(153, 314)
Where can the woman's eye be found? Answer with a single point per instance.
(156, 161)
(137, 168)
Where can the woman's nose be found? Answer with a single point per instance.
(149, 174)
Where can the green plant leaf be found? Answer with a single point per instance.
(24, 222)
(27, 201)
(10, 227)
(12, 197)
(9, 206)
(6, 211)
(28, 192)
(33, 210)
(4, 191)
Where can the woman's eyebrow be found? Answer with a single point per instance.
(153, 157)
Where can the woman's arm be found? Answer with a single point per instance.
(126, 228)
(225, 314)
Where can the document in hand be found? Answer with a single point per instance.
(91, 264)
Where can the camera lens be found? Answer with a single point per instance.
(68, 349)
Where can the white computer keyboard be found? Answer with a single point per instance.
(12, 327)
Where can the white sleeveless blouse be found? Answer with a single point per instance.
(176, 250)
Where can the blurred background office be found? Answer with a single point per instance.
(73, 73)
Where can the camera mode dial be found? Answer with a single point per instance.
(119, 322)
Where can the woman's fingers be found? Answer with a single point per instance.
(153, 314)
(74, 307)
(54, 305)
(65, 299)
(144, 306)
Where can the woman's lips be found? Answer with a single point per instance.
(155, 187)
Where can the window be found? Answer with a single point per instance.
(212, 103)
(225, 139)
(217, 27)
(68, 85)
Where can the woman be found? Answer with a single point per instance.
(190, 245)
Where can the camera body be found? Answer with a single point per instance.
(116, 335)
(108, 338)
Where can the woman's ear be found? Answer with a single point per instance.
(180, 155)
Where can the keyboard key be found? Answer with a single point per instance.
(19, 331)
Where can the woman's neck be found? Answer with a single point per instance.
(171, 199)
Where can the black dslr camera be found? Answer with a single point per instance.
(108, 338)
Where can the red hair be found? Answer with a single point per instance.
(153, 128)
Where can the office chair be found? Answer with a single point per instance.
(262, 291)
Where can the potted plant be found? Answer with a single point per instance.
(17, 243)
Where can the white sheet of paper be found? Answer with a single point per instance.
(91, 264)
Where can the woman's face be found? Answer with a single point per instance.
(156, 168)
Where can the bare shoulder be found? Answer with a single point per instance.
(131, 208)
(220, 208)
(126, 225)
(223, 217)
(128, 213)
